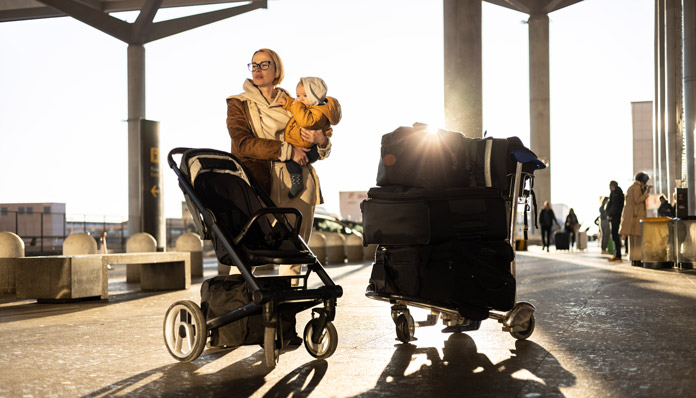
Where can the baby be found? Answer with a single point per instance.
(311, 110)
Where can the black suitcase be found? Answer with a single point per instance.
(415, 157)
(472, 276)
(562, 240)
(398, 215)
(224, 293)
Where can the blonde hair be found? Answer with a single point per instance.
(277, 63)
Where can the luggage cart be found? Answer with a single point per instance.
(518, 321)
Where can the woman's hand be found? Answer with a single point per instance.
(299, 155)
(314, 136)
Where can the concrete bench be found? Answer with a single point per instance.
(60, 278)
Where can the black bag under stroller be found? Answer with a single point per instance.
(246, 229)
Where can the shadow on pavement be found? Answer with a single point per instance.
(240, 379)
(463, 371)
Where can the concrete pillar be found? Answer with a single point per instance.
(539, 103)
(11, 248)
(79, 243)
(142, 242)
(463, 67)
(674, 137)
(354, 249)
(335, 249)
(660, 69)
(192, 243)
(317, 244)
(136, 112)
(690, 97)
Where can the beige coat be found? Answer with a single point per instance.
(634, 210)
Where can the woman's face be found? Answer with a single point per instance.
(263, 78)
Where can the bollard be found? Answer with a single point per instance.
(369, 252)
(354, 248)
(142, 242)
(335, 249)
(192, 243)
(79, 243)
(317, 244)
(11, 247)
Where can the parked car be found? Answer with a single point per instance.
(327, 223)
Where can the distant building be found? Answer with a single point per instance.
(642, 118)
(349, 202)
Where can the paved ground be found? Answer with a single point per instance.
(602, 331)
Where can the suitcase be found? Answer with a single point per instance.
(398, 215)
(415, 157)
(581, 243)
(472, 276)
(562, 240)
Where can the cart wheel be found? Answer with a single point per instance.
(524, 334)
(270, 348)
(405, 328)
(327, 342)
(185, 331)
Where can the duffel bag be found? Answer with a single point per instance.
(225, 293)
(398, 215)
(416, 157)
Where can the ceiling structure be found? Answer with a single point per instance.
(95, 13)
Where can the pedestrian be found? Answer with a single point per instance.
(312, 109)
(256, 123)
(547, 219)
(634, 210)
(571, 226)
(604, 228)
(614, 209)
(665, 209)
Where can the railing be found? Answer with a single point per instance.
(44, 233)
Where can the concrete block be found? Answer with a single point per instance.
(7, 275)
(79, 243)
(159, 270)
(141, 242)
(61, 278)
(192, 243)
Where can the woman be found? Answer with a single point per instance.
(633, 211)
(571, 226)
(256, 124)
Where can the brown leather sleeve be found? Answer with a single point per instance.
(256, 153)
(245, 143)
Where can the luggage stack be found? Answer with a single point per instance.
(440, 215)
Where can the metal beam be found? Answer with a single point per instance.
(96, 19)
(143, 24)
(173, 26)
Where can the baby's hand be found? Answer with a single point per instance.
(282, 101)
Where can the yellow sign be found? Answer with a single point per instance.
(154, 191)
(154, 155)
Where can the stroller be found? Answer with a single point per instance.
(247, 230)
(403, 271)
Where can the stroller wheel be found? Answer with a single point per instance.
(405, 327)
(328, 341)
(527, 330)
(185, 331)
(270, 348)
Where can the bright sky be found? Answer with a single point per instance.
(63, 92)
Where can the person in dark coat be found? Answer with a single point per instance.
(571, 226)
(614, 209)
(665, 209)
(546, 220)
(604, 227)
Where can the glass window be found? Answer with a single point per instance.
(30, 210)
(47, 210)
(3, 211)
(20, 210)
